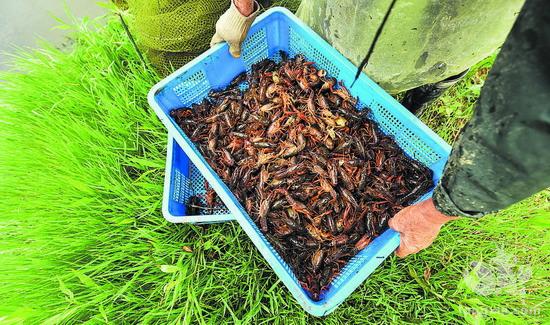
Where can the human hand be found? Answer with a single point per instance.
(233, 25)
(418, 225)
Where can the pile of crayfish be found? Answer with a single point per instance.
(312, 170)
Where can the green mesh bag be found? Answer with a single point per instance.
(172, 32)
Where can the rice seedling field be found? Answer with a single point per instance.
(82, 237)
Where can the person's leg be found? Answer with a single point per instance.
(172, 32)
(417, 99)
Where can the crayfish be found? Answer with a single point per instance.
(312, 170)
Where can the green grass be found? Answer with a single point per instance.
(82, 238)
(449, 113)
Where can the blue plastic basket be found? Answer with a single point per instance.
(277, 29)
(181, 181)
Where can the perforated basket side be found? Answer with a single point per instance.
(404, 135)
(193, 88)
(180, 189)
(255, 48)
(183, 180)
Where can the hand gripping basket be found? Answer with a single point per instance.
(186, 170)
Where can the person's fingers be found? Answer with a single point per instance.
(235, 49)
(394, 223)
(401, 252)
(405, 247)
(404, 250)
(400, 220)
(216, 39)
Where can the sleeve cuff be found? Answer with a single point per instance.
(444, 204)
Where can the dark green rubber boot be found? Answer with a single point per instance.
(417, 99)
